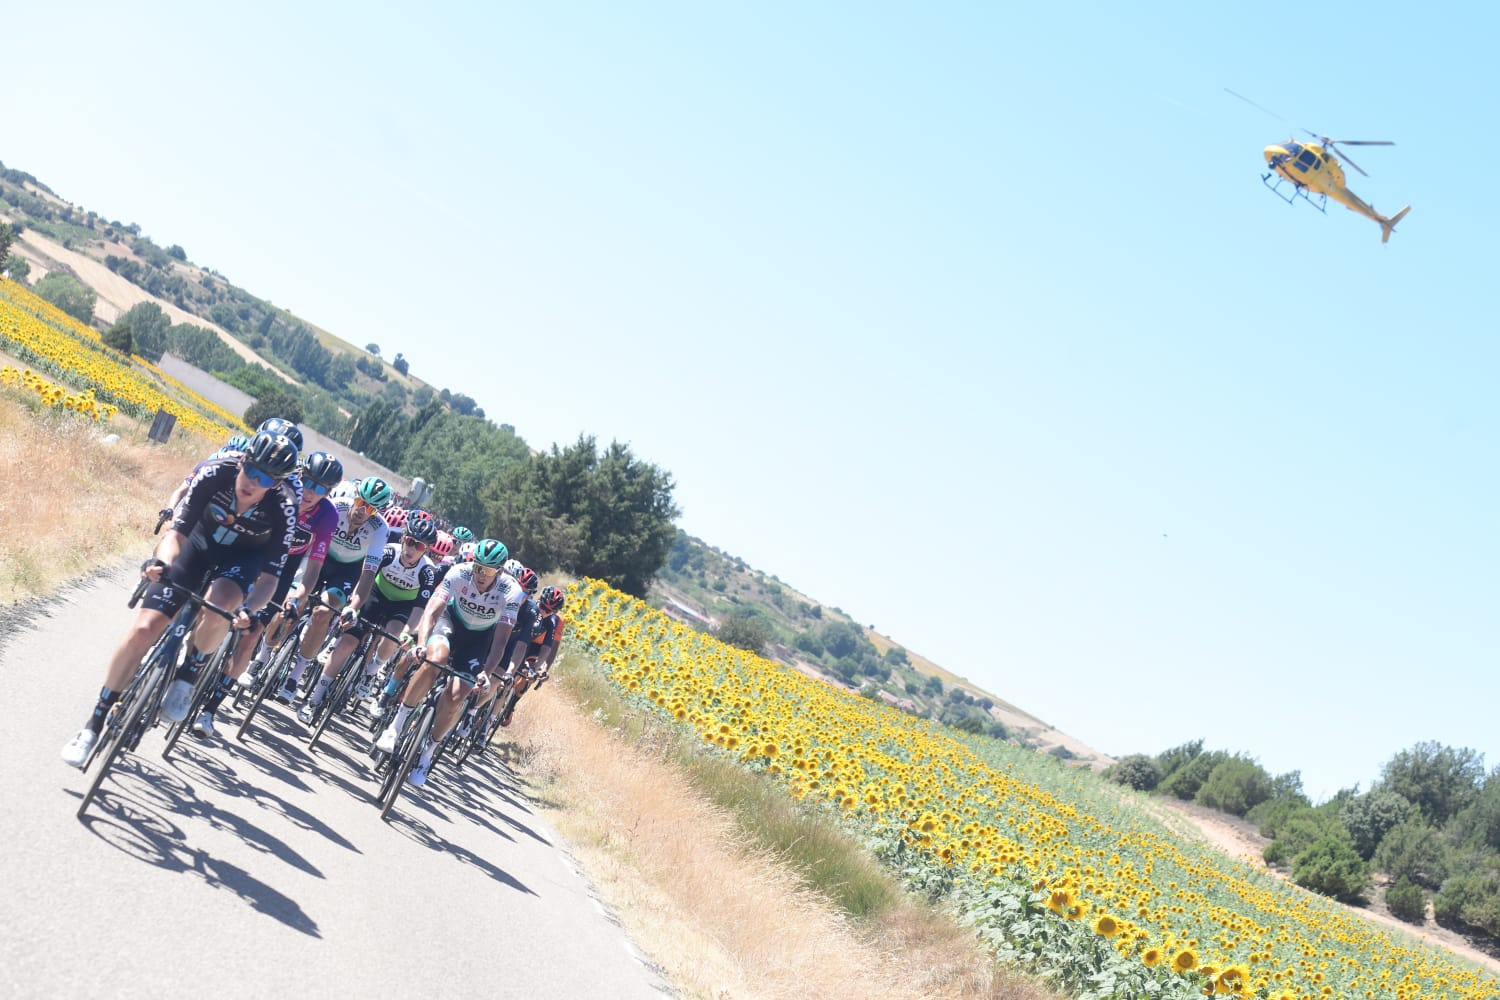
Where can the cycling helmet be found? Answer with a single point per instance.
(323, 469)
(551, 600)
(466, 552)
(273, 454)
(422, 529)
(237, 443)
(513, 566)
(462, 535)
(374, 491)
(395, 516)
(276, 425)
(491, 552)
(444, 545)
(527, 579)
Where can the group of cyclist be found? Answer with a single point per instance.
(268, 531)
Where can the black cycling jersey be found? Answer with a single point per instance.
(207, 516)
(526, 619)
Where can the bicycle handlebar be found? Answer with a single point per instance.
(198, 599)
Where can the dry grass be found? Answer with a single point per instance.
(721, 916)
(69, 503)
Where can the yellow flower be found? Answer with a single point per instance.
(1151, 956)
(1106, 926)
(1184, 961)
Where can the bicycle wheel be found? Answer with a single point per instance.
(338, 693)
(125, 720)
(408, 750)
(203, 686)
(272, 674)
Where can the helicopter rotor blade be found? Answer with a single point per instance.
(1363, 142)
(1341, 155)
(1254, 105)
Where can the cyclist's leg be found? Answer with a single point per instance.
(421, 682)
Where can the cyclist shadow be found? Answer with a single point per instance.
(141, 832)
(420, 833)
(216, 774)
(457, 791)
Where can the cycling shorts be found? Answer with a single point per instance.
(340, 576)
(197, 567)
(381, 609)
(467, 648)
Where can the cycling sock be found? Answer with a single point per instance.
(402, 714)
(226, 685)
(321, 689)
(427, 749)
(391, 685)
(189, 669)
(298, 667)
(107, 699)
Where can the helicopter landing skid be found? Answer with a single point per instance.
(1298, 191)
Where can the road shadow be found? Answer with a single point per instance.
(136, 829)
(418, 832)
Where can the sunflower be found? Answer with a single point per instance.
(1184, 961)
(1151, 956)
(1106, 926)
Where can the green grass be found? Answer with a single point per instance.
(806, 838)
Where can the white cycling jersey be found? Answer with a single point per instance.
(477, 609)
(349, 545)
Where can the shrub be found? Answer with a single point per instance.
(1407, 901)
(1472, 898)
(118, 338)
(1139, 771)
(1235, 786)
(1369, 817)
(1185, 781)
(1413, 850)
(1333, 867)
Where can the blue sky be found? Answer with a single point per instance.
(975, 323)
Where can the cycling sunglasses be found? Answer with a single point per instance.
(260, 477)
(316, 489)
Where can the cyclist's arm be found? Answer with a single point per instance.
(362, 588)
(431, 613)
(311, 570)
(170, 546)
(497, 645)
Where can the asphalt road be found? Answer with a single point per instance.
(263, 870)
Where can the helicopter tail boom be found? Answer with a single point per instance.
(1388, 226)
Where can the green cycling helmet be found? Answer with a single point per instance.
(374, 491)
(492, 553)
(461, 534)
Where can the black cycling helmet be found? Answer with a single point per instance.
(551, 600)
(421, 529)
(276, 425)
(273, 454)
(323, 469)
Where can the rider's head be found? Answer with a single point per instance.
(374, 495)
(489, 556)
(276, 425)
(268, 460)
(551, 600)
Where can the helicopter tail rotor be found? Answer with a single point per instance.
(1388, 226)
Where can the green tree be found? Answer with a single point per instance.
(1407, 901)
(1333, 867)
(1412, 849)
(117, 337)
(1471, 897)
(287, 407)
(68, 294)
(1185, 781)
(1137, 770)
(896, 657)
(1439, 780)
(150, 329)
(1369, 817)
(400, 364)
(1235, 785)
(1178, 757)
(373, 349)
(16, 268)
(840, 638)
(744, 629)
(8, 236)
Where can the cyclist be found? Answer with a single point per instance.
(235, 446)
(546, 637)
(232, 528)
(526, 619)
(466, 625)
(403, 586)
(316, 521)
(354, 553)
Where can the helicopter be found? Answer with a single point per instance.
(1310, 169)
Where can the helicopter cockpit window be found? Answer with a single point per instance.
(1308, 158)
(1294, 149)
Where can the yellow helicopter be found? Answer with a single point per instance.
(1311, 170)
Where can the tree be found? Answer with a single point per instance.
(1138, 770)
(373, 349)
(117, 337)
(1412, 849)
(896, 657)
(1369, 817)
(68, 294)
(744, 629)
(840, 638)
(17, 268)
(1439, 780)
(1235, 785)
(1185, 781)
(150, 329)
(176, 252)
(8, 234)
(1407, 901)
(400, 364)
(1333, 867)
(287, 407)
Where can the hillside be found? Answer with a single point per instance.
(709, 589)
(336, 380)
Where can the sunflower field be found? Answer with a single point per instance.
(60, 347)
(1057, 871)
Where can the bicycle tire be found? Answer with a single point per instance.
(409, 749)
(271, 676)
(338, 693)
(128, 712)
(203, 686)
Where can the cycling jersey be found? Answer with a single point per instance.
(521, 635)
(547, 632)
(315, 529)
(398, 583)
(477, 609)
(351, 545)
(207, 514)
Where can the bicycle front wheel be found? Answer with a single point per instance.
(408, 750)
